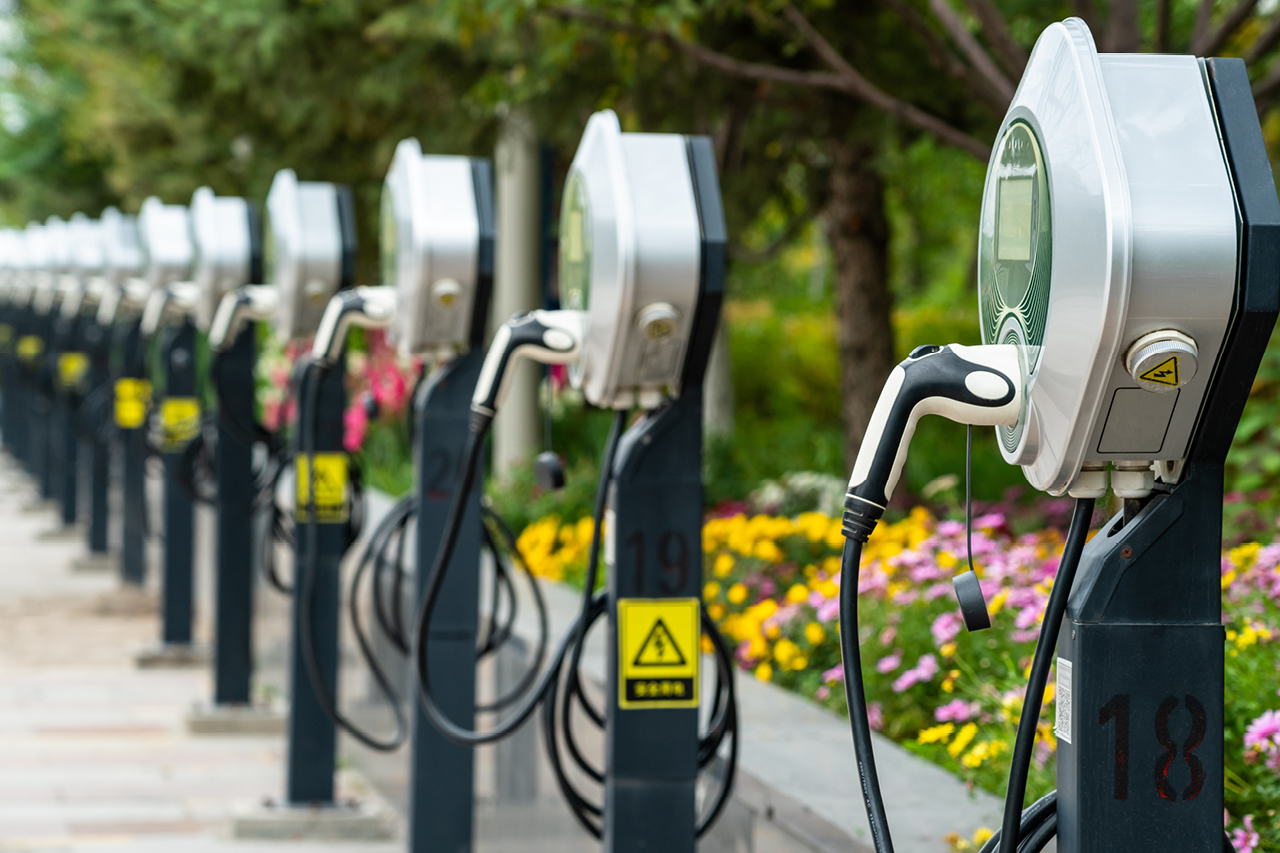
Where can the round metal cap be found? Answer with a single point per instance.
(1163, 361)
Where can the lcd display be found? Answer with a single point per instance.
(1016, 198)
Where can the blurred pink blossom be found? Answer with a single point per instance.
(889, 662)
(924, 670)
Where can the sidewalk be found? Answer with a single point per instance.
(94, 751)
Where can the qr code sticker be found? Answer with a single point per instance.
(1062, 725)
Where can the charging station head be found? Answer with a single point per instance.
(121, 246)
(61, 254)
(1107, 255)
(309, 250)
(89, 257)
(436, 236)
(226, 242)
(164, 231)
(633, 241)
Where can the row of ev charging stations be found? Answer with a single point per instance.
(1128, 263)
(1129, 280)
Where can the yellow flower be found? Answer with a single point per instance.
(722, 566)
(772, 632)
(798, 593)
(710, 591)
(963, 739)
(799, 662)
(1242, 556)
(716, 612)
(946, 559)
(997, 603)
(737, 593)
(764, 672)
(949, 683)
(948, 649)
(784, 651)
(814, 633)
(937, 734)
(1228, 578)
(768, 550)
(981, 836)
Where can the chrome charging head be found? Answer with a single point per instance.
(636, 227)
(309, 250)
(228, 249)
(436, 237)
(1107, 255)
(164, 232)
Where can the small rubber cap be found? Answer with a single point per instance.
(973, 607)
(548, 471)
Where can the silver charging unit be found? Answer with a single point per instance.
(166, 241)
(93, 410)
(1129, 243)
(309, 255)
(227, 240)
(1129, 281)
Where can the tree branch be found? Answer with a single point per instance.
(1008, 51)
(1264, 42)
(1122, 27)
(1215, 40)
(940, 55)
(970, 48)
(845, 79)
(1162, 26)
(1202, 21)
(862, 88)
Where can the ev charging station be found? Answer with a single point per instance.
(1129, 281)
(227, 236)
(67, 367)
(642, 273)
(34, 353)
(87, 373)
(164, 231)
(437, 247)
(310, 254)
(11, 253)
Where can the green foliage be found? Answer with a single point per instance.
(385, 459)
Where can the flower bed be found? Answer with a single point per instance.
(772, 584)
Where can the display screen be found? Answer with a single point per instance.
(1016, 200)
(575, 246)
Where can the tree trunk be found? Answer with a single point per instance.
(859, 237)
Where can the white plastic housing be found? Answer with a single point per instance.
(630, 255)
(221, 230)
(88, 258)
(164, 232)
(1141, 237)
(303, 251)
(430, 236)
(121, 245)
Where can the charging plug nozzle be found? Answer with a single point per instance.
(547, 337)
(979, 385)
(367, 307)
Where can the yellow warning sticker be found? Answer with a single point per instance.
(30, 347)
(133, 398)
(72, 368)
(1164, 373)
(179, 422)
(658, 651)
(330, 488)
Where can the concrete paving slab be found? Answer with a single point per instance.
(207, 719)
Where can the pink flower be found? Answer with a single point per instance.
(924, 670)
(889, 662)
(1262, 732)
(887, 635)
(875, 716)
(830, 610)
(355, 426)
(950, 528)
(831, 676)
(1245, 840)
(946, 627)
(822, 693)
(956, 711)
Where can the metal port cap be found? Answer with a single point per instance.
(1163, 361)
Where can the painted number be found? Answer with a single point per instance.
(1116, 712)
(673, 560)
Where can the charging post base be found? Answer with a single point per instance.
(312, 748)
(179, 423)
(233, 572)
(67, 375)
(132, 402)
(654, 560)
(96, 337)
(442, 773)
